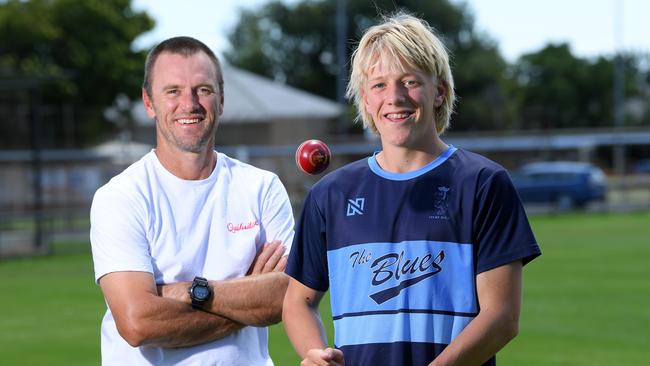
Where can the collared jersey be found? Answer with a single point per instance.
(400, 252)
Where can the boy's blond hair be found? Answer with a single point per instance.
(402, 41)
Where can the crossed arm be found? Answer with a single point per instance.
(499, 295)
(146, 314)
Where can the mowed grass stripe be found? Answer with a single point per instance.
(586, 300)
(50, 311)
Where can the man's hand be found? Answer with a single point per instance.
(270, 258)
(255, 299)
(324, 357)
(145, 318)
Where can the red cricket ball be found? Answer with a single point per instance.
(313, 156)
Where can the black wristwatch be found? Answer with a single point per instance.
(200, 292)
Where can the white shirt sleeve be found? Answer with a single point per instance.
(118, 233)
(277, 218)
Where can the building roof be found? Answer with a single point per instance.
(252, 98)
(122, 151)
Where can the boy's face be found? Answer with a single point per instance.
(402, 105)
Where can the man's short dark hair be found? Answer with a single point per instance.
(185, 46)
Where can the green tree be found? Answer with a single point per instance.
(80, 51)
(555, 89)
(296, 44)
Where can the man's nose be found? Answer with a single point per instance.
(189, 101)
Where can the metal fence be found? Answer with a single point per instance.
(50, 202)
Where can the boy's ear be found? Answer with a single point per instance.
(441, 92)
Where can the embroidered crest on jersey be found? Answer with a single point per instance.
(441, 211)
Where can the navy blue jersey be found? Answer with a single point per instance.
(400, 252)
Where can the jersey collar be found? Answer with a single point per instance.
(374, 166)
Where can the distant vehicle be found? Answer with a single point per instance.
(566, 184)
(642, 166)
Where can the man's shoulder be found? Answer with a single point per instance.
(246, 179)
(240, 169)
(129, 180)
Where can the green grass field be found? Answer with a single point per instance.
(586, 300)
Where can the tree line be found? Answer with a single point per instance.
(80, 55)
(547, 89)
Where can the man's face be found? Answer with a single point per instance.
(402, 104)
(185, 101)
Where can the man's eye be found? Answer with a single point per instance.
(411, 83)
(205, 91)
(172, 92)
(378, 86)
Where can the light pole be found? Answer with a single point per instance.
(341, 59)
(619, 91)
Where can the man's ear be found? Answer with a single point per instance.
(221, 98)
(148, 104)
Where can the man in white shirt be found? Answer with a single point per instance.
(187, 242)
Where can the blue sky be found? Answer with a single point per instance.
(591, 27)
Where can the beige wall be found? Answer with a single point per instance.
(282, 132)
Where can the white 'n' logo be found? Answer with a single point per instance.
(355, 206)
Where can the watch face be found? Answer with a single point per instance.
(201, 293)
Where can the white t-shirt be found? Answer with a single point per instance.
(147, 219)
